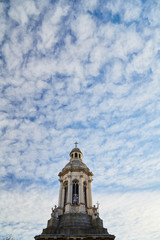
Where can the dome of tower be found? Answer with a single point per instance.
(75, 150)
(75, 164)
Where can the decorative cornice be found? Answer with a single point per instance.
(88, 173)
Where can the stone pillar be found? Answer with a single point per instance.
(69, 196)
(81, 197)
(60, 194)
(62, 202)
(69, 199)
(87, 192)
(90, 193)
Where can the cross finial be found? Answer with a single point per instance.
(75, 144)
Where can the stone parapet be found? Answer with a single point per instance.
(75, 237)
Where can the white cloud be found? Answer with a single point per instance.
(143, 61)
(3, 21)
(20, 12)
(50, 27)
(31, 207)
(127, 42)
(83, 27)
(117, 71)
(132, 11)
(152, 13)
(130, 215)
(89, 5)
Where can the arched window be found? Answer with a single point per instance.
(75, 193)
(65, 193)
(75, 155)
(85, 193)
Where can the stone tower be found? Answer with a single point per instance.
(75, 217)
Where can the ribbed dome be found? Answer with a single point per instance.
(75, 164)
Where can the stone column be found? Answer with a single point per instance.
(63, 197)
(60, 194)
(69, 199)
(89, 194)
(69, 196)
(81, 197)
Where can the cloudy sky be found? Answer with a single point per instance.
(86, 71)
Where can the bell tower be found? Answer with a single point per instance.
(75, 214)
(75, 185)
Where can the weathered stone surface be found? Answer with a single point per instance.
(75, 223)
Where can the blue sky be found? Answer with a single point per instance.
(86, 71)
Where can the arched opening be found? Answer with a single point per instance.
(85, 193)
(75, 193)
(75, 155)
(65, 193)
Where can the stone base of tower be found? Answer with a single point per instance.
(75, 226)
